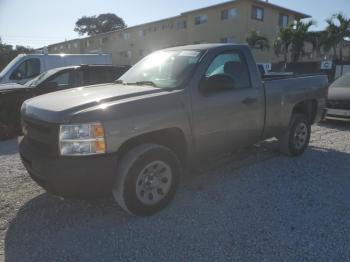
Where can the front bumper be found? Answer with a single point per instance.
(341, 114)
(71, 177)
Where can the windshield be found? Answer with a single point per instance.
(163, 69)
(41, 78)
(9, 66)
(342, 82)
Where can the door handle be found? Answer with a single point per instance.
(249, 101)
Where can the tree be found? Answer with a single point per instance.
(338, 31)
(8, 52)
(318, 40)
(258, 41)
(299, 36)
(283, 42)
(92, 25)
(4, 48)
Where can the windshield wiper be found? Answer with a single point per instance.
(119, 81)
(138, 83)
(143, 83)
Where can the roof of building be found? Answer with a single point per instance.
(259, 2)
(202, 47)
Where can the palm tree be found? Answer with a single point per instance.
(338, 30)
(283, 42)
(332, 38)
(318, 40)
(300, 36)
(258, 41)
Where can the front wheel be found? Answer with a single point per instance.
(146, 180)
(295, 141)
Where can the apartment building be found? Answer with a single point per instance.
(228, 22)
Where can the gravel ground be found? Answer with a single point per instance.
(254, 206)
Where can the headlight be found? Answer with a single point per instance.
(82, 139)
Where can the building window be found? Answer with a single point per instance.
(104, 40)
(181, 25)
(142, 33)
(283, 20)
(228, 14)
(61, 47)
(75, 45)
(257, 13)
(226, 40)
(143, 52)
(126, 54)
(126, 35)
(168, 26)
(68, 46)
(129, 54)
(201, 19)
(87, 43)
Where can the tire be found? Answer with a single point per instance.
(295, 141)
(147, 178)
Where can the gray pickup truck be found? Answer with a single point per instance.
(174, 108)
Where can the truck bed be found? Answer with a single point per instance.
(283, 93)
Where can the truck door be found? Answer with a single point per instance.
(230, 117)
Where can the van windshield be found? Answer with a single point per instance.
(10, 65)
(163, 69)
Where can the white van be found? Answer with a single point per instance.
(25, 67)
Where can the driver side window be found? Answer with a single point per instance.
(28, 69)
(233, 65)
(61, 80)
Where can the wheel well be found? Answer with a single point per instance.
(308, 108)
(172, 138)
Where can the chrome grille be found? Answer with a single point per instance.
(338, 104)
(41, 136)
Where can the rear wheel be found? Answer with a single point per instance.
(147, 179)
(295, 141)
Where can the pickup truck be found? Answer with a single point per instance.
(173, 109)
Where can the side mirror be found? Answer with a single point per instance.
(217, 83)
(50, 85)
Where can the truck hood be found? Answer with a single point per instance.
(59, 107)
(11, 87)
(339, 93)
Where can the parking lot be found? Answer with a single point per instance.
(255, 205)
